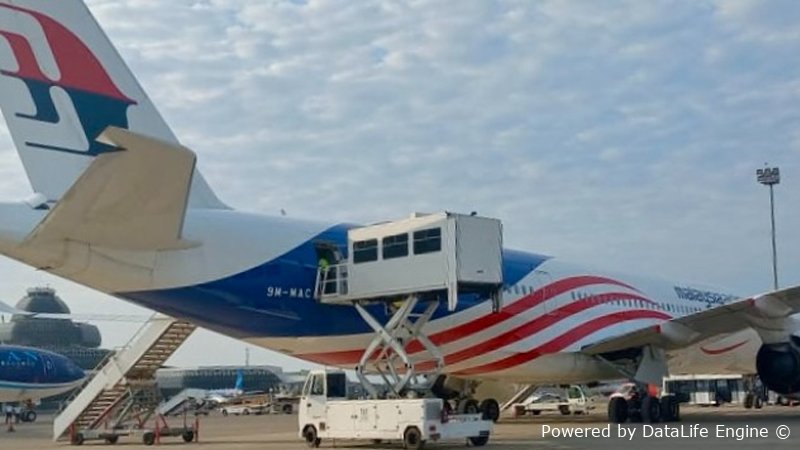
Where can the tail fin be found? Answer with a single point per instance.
(239, 386)
(61, 84)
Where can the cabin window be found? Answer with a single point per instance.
(365, 251)
(395, 246)
(318, 385)
(427, 241)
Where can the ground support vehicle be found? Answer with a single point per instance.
(327, 413)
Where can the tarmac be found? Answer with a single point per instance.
(745, 429)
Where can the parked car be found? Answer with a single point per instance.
(243, 409)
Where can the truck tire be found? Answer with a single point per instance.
(111, 440)
(670, 409)
(188, 436)
(77, 439)
(490, 409)
(617, 410)
(748, 400)
(564, 410)
(651, 409)
(412, 439)
(468, 406)
(287, 409)
(149, 438)
(478, 441)
(30, 416)
(310, 435)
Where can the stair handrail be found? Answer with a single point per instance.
(106, 359)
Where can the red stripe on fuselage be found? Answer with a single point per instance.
(541, 295)
(538, 324)
(561, 342)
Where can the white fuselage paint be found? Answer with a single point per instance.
(231, 242)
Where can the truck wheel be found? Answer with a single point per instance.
(478, 441)
(564, 410)
(412, 439)
(188, 436)
(748, 400)
(651, 410)
(149, 438)
(617, 410)
(490, 409)
(77, 439)
(310, 435)
(468, 406)
(30, 416)
(670, 408)
(287, 409)
(536, 412)
(224, 413)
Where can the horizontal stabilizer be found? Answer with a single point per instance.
(131, 199)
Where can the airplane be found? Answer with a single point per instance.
(31, 374)
(118, 205)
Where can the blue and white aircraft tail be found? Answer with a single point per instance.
(63, 84)
(122, 209)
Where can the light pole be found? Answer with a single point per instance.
(770, 176)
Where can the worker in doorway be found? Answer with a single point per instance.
(328, 277)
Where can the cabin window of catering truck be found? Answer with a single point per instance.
(365, 251)
(395, 246)
(427, 241)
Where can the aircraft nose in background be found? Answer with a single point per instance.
(67, 371)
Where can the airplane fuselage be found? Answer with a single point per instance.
(32, 374)
(252, 277)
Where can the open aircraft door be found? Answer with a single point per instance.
(541, 282)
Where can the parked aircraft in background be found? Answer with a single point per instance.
(119, 206)
(32, 374)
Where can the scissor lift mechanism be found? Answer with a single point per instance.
(390, 344)
(423, 260)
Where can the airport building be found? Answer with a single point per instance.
(78, 341)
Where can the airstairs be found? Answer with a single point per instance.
(523, 392)
(411, 266)
(123, 387)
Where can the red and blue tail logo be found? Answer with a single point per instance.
(98, 102)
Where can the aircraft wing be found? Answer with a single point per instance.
(687, 330)
(132, 199)
(7, 309)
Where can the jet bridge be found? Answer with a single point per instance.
(411, 265)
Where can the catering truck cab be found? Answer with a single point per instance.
(327, 412)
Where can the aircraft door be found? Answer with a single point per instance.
(541, 284)
(313, 399)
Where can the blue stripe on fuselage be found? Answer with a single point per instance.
(240, 305)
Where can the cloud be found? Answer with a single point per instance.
(622, 134)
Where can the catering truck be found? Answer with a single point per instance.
(327, 412)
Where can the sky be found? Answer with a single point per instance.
(619, 134)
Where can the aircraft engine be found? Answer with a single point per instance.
(778, 366)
